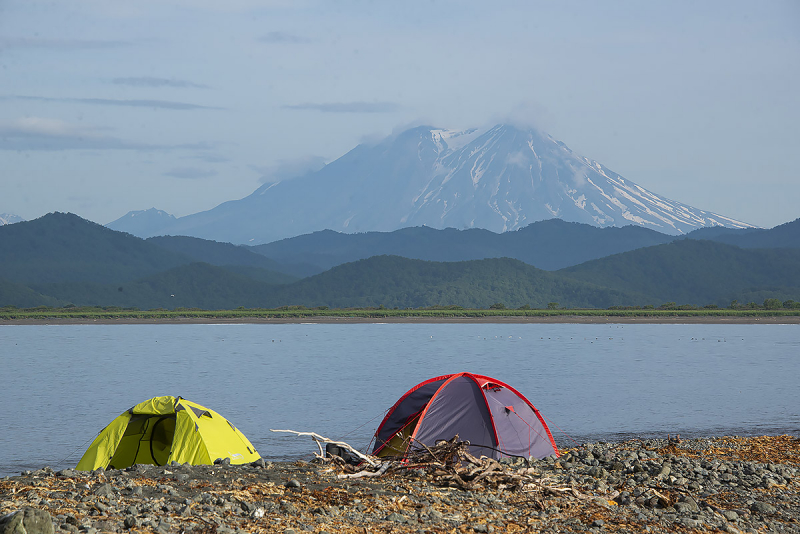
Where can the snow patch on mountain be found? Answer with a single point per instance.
(454, 139)
(545, 171)
(10, 218)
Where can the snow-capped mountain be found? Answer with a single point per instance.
(143, 223)
(9, 218)
(501, 178)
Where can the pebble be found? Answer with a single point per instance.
(636, 486)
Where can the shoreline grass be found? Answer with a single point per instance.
(111, 313)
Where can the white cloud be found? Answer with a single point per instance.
(283, 37)
(41, 126)
(288, 169)
(579, 177)
(152, 81)
(519, 159)
(525, 116)
(41, 133)
(191, 173)
(136, 103)
(58, 44)
(347, 107)
(146, 8)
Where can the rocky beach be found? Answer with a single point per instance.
(725, 484)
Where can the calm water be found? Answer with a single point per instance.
(62, 384)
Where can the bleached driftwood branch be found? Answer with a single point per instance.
(319, 440)
(379, 472)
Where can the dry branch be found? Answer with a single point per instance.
(322, 439)
(360, 474)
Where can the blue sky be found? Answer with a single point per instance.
(110, 106)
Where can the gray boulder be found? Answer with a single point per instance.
(26, 521)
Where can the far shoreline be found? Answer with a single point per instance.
(493, 319)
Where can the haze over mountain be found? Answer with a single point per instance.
(786, 235)
(548, 245)
(143, 223)
(500, 179)
(228, 255)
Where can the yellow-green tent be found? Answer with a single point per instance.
(166, 429)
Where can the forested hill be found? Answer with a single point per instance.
(548, 245)
(196, 285)
(64, 247)
(389, 281)
(392, 281)
(689, 271)
(12, 294)
(62, 259)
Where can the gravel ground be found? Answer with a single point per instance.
(724, 484)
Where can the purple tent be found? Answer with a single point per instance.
(495, 418)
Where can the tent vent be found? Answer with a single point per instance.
(199, 412)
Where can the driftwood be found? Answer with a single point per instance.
(319, 440)
(380, 472)
(449, 463)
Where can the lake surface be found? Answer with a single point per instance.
(62, 384)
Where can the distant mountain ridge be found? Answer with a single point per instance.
(786, 235)
(9, 218)
(500, 179)
(548, 245)
(143, 223)
(60, 259)
(228, 255)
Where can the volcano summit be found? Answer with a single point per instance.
(501, 178)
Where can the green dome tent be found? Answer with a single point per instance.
(167, 429)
